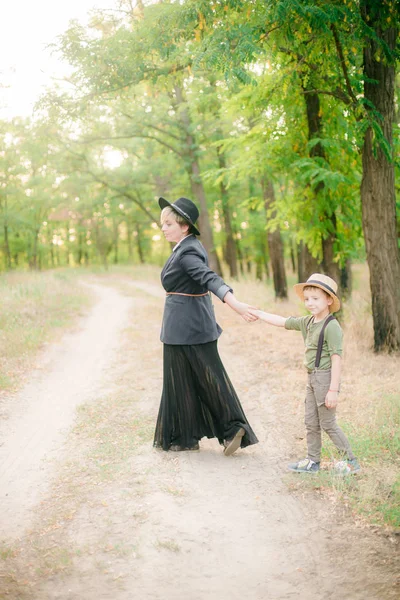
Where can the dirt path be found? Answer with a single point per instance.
(143, 523)
(43, 412)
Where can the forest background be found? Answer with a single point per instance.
(279, 119)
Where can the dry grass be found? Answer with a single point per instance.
(34, 308)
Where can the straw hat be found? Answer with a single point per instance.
(325, 283)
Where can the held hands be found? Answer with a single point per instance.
(255, 312)
(331, 399)
(246, 311)
(243, 309)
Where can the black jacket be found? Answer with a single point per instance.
(190, 320)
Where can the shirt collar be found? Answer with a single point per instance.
(180, 241)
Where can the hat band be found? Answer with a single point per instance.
(325, 285)
(183, 213)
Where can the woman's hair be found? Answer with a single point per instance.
(168, 211)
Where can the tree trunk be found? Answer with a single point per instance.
(378, 185)
(346, 279)
(263, 257)
(139, 244)
(51, 245)
(34, 260)
(311, 265)
(239, 252)
(329, 265)
(230, 247)
(293, 258)
(204, 221)
(101, 245)
(80, 247)
(300, 262)
(115, 240)
(275, 246)
(196, 185)
(7, 252)
(306, 263)
(313, 110)
(129, 239)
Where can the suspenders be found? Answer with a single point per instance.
(320, 339)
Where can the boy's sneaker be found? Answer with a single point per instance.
(306, 465)
(347, 467)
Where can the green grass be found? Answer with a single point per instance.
(168, 545)
(375, 492)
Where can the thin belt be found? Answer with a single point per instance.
(182, 294)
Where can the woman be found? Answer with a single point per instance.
(198, 398)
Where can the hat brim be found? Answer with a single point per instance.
(163, 203)
(299, 289)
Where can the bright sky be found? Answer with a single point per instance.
(26, 66)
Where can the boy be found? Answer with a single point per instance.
(324, 367)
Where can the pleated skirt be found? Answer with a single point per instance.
(198, 399)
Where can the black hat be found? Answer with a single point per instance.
(186, 208)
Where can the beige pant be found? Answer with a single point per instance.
(318, 417)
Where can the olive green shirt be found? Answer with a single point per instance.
(333, 340)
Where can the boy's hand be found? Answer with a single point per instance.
(331, 399)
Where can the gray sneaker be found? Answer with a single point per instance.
(306, 465)
(347, 467)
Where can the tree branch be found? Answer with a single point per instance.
(342, 61)
(129, 137)
(152, 137)
(176, 137)
(338, 93)
(153, 71)
(123, 193)
(112, 187)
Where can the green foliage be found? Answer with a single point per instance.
(157, 89)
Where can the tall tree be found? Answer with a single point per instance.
(378, 183)
(332, 37)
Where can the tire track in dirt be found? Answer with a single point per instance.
(43, 411)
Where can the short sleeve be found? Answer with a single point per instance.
(334, 338)
(294, 323)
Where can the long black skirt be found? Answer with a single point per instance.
(198, 400)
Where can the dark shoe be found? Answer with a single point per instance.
(306, 465)
(176, 448)
(232, 445)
